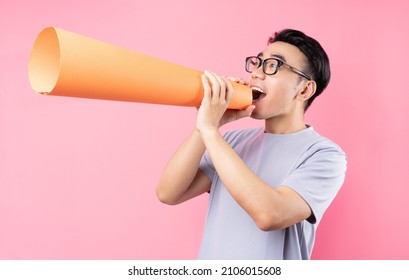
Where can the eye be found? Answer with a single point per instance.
(271, 64)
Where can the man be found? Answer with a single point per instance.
(269, 187)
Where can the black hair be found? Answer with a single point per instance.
(318, 67)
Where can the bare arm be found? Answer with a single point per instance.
(182, 179)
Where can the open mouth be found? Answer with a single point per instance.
(258, 93)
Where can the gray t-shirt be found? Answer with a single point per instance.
(308, 163)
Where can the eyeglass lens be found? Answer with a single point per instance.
(270, 65)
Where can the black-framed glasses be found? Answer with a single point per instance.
(270, 66)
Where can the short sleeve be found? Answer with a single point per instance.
(318, 177)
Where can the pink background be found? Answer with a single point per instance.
(78, 176)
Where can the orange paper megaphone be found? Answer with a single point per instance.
(67, 64)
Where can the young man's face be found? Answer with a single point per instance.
(279, 97)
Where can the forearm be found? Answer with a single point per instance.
(271, 207)
(257, 198)
(181, 169)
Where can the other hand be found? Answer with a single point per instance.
(213, 111)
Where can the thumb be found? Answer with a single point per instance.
(239, 114)
(234, 115)
(246, 112)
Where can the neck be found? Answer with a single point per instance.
(284, 125)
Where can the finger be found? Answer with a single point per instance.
(237, 80)
(250, 109)
(229, 90)
(246, 112)
(233, 79)
(243, 82)
(215, 86)
(222, 84)
(206, 88)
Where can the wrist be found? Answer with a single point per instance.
(207, 134)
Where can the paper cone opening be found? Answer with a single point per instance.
(44, 64)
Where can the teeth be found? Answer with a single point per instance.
(257, 92)
(257, 89)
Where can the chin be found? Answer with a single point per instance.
(256, 115)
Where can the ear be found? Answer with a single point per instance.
(307, 91)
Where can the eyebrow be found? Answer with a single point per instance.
(274, 55)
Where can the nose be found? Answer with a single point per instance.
(258, 73)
